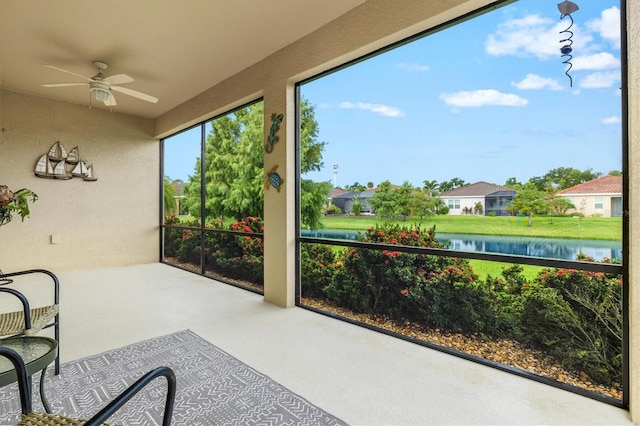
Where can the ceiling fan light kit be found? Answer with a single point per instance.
(100, 91)
(100, 87)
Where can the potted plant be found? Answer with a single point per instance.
(15, 202)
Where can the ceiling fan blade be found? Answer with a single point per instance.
(119, 79)
(64, 84)
(68, 72)
(135, 94)
(111, 101)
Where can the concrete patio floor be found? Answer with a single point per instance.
(358, 375)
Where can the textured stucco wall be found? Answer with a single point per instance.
(113, 221)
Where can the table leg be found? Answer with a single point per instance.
(45, 403)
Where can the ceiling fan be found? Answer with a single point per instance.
(100, 86)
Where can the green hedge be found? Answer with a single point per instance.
(575, 316)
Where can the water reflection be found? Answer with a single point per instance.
(550, 248)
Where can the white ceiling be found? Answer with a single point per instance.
(173, 49)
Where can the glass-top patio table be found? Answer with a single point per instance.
(37, 352)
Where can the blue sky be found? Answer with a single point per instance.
(487, 99)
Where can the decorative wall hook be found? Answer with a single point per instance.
(566, 8)
(272, 138)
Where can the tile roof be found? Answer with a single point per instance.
(336, 191)
(603, 185)
(478, 189)
(349, 195)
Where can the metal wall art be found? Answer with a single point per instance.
(60, 164)
(273, 179)
(272, 139)
(566, 8)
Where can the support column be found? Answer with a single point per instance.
(633, 237)
(279, 206)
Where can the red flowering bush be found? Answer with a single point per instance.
(317, 269)
(434, 290)
(189, 246)
(237, 256)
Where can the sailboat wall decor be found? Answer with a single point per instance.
(60, 164)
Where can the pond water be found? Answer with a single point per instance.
(550, 248)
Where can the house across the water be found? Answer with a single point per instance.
(480, 198)
(598, 197)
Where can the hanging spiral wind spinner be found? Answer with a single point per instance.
(566, 9)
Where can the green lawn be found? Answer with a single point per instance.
(484, 268)
(589, 228)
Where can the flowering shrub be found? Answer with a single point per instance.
(317, 270)
(434, 290)
(171, 237)
(453, 298)
(189, 246)
(577, 317)
(184, 246)
(237, 256)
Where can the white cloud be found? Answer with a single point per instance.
(479, 98)
(597, 61)
(413, 67)
(384, 110)
(599, 80)
(611, 120)
(608, 25)
(532, 35)
(533, 82)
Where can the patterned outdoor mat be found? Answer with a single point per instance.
(213, 388)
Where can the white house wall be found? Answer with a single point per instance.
(112, 221)
(465, 202)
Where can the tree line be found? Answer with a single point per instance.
(234, 178)
(536, 196)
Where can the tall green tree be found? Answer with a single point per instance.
(449, 185)
(431, 187)
(562, 178)
(169, 197)
(313, 195)
(529, 200)
(234, 173)
(566, 177)
(234, 167)
(559, 205)
(512, 183)
(385, 201)
(405, 198)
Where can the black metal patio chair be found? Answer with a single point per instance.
(31, 418)
(30, 320)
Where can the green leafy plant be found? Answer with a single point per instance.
(317, 270)
(238, 256)
(434, 290)
(15, 202)
(577, 317)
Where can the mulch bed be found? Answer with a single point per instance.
(503, 351)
